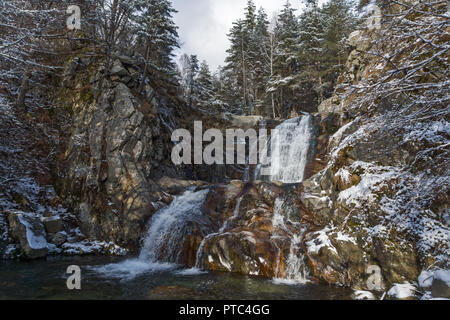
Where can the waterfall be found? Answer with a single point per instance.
(285, 156)
(167, 227)
(164, 239)
(296, 269)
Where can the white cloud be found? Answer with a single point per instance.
(204, 24)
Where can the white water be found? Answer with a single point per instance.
(296, 270)
(166, 230)
(167, 227)
(163, 241)
(289, 148)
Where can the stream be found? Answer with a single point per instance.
(46, 279)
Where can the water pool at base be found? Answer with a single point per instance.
(46, 279)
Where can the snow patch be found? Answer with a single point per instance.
(320, 241)
(402, 290)
(363, 295)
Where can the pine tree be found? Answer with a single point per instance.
(261, 62)
(236, 62)
(156, 34)
(310, 54)
(285, 58)
(340, 21)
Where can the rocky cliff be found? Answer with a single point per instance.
(88, 174)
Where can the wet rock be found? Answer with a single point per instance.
(242, 252)
(251, 240)
(29, 232)
(176, 186)
(440, 289)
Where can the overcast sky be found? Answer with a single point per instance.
(204, 24)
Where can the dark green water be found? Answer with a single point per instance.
(46, 279)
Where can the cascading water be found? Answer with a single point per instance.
(164, 239)
(296, 270)
(288, 151)
(167, 227)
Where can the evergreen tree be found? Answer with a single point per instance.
(340, 21)
(285, 58)
(261, 62)
(156, 34)
(310, 54)
(236, 62)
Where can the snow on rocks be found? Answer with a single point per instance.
(436, 282)
(320, 240)
(363, 295)
(402, 290)
(92, 247)
(372, 180)
(28, 230)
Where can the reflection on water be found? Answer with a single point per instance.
(46, 279)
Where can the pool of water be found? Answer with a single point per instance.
(102, 279)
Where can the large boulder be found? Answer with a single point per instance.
(53, 224)
(28, 230)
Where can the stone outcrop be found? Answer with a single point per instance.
(29, 232)
(376, 203)
(117, 145)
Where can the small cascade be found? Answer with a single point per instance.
(296, 270)
(286, 154)
(167, 227)
(164, 239)
(221, 230)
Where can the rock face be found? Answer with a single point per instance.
(53, 224)
(119, 146)
(29, 231)
(116, 147)
(379, 203)
(256, 238)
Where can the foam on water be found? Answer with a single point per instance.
(163, 241)
(131, 268)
